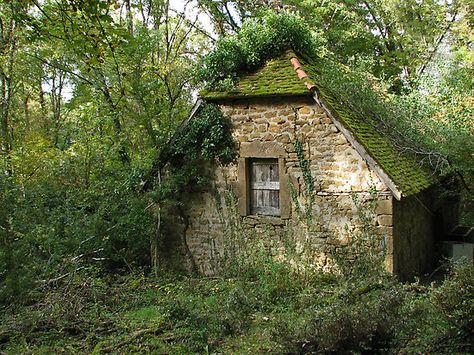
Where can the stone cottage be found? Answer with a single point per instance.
(270, 109)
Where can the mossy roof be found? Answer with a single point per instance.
(276, 78)
(280, 77)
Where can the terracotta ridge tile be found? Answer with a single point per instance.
(301, 73)
(310, 85)
(295, 62)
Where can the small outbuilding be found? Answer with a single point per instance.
(280, 104)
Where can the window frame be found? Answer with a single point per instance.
(261, 150)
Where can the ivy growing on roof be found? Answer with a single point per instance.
(258, 40)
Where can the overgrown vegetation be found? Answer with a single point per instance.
(258, 40)
(272, 309)
(206, 138)
(47, 224)
(91, 92)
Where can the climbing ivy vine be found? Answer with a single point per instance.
(205, 139)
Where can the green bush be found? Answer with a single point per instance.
(257, 40)
(50, 225)
(455, 298)
(361, 318)
(440, 319)
(385, 316)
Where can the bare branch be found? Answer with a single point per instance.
(52, 65)
(437, 44)
(194, 25)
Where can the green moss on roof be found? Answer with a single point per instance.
(279, 78)
(403, 170)
(276, 78)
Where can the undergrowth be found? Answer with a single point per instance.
(89, 313)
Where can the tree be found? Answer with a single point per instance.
(395, 39)
(9, 13)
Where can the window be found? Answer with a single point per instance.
(262, 181)
(264, 187)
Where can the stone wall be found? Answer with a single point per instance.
(413, 232)
(339, 171)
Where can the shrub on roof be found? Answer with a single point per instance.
(258, 40)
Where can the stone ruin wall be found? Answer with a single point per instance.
(336, 166)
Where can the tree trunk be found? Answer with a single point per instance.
(8, 45)
(129, 16)
(122, 150)
(155, 239)
(56, 102)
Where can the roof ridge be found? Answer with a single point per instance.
(300, 72)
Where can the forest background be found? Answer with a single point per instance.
(92, 92)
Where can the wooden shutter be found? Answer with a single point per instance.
(264, 187)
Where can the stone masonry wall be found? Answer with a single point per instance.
(336, 166)
(413, 236)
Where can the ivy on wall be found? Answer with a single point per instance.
(206, 139)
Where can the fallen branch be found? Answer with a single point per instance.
(132, 337)
(56, 279)
(87, 254)
(86, 240)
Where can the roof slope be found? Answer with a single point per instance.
(285, 76)
(276, 78)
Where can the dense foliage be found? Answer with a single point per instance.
(91, 93)
(205, 138)
(258, 40)
(394, 40)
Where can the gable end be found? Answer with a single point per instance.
(361, 150)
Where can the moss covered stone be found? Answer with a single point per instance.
(279, 78)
